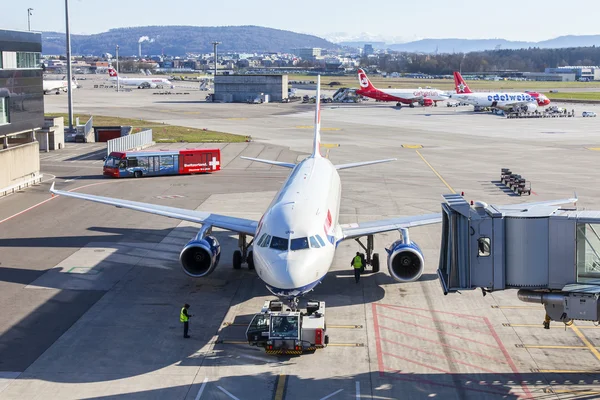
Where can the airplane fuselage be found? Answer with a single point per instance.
(295, 240)
(139, 81)
(405, 96)
(501, 100)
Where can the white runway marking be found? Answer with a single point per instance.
(227, 393)
(201, 388)
(332, 394)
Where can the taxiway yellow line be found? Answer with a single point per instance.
(544, 346)
(567, 371)
(280, 390)
(586, 342)
(573, 391)
(562, 326)
(435, 172)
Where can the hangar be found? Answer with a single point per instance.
(21, 106)
(242, 88)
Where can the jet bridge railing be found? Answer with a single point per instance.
(551, 255)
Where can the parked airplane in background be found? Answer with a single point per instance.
(148, 82)
(511, 101)
(57, 86)
(425, 97)
(295, 240)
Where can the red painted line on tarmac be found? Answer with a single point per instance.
(532, 192)
(440, 331)
(472, 317)
(445, 345)
(415, 378)
(439, 320)
(507, 356)
(418, 363)
(47, 200)
(452, 360)
(377, 340)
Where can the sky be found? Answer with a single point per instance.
(401, 19)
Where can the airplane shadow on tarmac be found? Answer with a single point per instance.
(135, 289)
(373, 385)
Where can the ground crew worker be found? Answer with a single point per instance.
(185, 318)
(547, 322)
(357, 264)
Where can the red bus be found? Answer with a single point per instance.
(150, 163)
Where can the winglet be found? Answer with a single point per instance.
(317, 139)
(52, 189)
(575, 198)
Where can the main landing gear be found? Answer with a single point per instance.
(369, 258)
(243, 255)
(399, 105)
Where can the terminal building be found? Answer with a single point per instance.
(247, 88)
(582, 72)
(21, 106)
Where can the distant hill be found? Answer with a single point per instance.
(179, 40)
(470, 45)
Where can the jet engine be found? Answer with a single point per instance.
(405, 260)
(529, 107)
(427, 102)
(200, 257)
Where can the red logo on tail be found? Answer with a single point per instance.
(363, 81)
(112, 72)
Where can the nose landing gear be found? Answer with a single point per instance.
(369, 258)
(243, 255)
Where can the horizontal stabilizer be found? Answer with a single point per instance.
(277, 163)
(363, 163)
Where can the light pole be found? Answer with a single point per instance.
(117, 68)
(215, 44)
(461, 61)
(69, 86)
(29, 10)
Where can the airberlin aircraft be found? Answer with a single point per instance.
(425, 97)
(511, 101)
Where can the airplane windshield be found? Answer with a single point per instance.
(278, 243)
(299, 244)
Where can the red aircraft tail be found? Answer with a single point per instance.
(460, 84)
(112, 72)
(364, 82)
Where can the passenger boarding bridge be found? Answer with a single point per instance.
(551, 254)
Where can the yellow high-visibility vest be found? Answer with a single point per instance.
(357, 262)
(182, 316)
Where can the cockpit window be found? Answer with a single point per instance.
(261, 240)
(278, 243)
(320, 240)
(299, 244)
(314, 243)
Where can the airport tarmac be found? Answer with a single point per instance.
(92, 293)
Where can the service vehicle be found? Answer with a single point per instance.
(588, 114)
(280, 330)
(150, 163)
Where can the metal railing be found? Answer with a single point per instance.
(35, 177)
(129, 142)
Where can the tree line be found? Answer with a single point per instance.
(523, 60)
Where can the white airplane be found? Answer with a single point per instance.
(511, 101)
(150, 81)
(295, 240)
(425, 97)
(57, 86)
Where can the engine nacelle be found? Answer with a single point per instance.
(427, 102)
(531, 107)
(405, 261)
(200, 257)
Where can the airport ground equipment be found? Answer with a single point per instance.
(551, 255)
(515, 182)
(280, 330)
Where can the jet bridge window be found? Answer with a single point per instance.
(484, 244)
(588, 253)
(278, 243)
(299, 244)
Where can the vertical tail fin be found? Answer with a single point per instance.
(317, 139)
(460, 84)
(112, 72)
(364, 82)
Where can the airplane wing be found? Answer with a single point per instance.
(234, 224)
(523, 206)
(359, 229)
(277, 163)
(363, 163)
